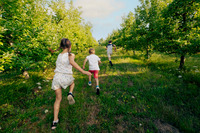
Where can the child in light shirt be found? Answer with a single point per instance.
(94, 62)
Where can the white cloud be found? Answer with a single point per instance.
(98, 8)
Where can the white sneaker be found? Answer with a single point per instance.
(90, 84)
(70, 98)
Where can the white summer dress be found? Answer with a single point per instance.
(63, 73)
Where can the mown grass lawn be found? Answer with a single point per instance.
(137, 95)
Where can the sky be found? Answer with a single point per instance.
(105, 15)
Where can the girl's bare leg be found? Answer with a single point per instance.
(57, 103)
(70, 96)
(71, 88)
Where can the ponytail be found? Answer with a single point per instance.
(65, 43)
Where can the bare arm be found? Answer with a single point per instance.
(99, 62)
(84, 63)
(52, 51)
(115, 47)
(75, 65)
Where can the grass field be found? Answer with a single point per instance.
(137, 95)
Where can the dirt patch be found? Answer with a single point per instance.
(119, 117)
(130, 83)
(119, 127)
(165, 127)
(92, 117)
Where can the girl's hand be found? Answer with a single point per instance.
(52, 51)
(83, 67)
(75, 65)
(87, 73)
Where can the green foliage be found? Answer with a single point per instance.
(29, 27)
(179, 28)
(100, 41)
(5, 60)
(169, 26)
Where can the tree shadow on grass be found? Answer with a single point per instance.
(18, 93)
(9, 75)
(171, 68)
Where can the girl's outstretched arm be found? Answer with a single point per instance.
(75, 65)
(52, 51)
(84, 63)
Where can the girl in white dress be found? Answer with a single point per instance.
(63, 77)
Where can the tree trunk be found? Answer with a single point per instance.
(134, 52)
(182, 61)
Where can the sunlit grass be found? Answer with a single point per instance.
(135, 95)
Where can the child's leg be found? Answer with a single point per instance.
(97, 81)
(90, 78)
(96, 75)
(97, 87)
(109, 56)
(71, 88)
(90, 83)
(70, 95)
(57, 103)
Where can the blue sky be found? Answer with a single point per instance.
(105, 15)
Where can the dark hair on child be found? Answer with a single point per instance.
(91, 51)
(65, 43)
(110, 41)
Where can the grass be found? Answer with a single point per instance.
(137, 95)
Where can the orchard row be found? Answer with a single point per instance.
(168, 26)
(29, 27)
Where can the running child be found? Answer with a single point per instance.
(109, 48)
(94, 62)
(63, 77)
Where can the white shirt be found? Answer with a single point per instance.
(63, 65)
(93, 62)
(109, 48)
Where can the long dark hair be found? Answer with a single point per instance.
(65, 43)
